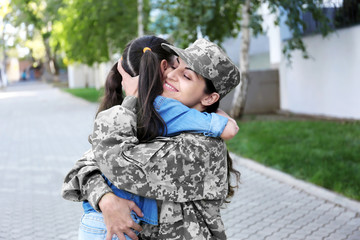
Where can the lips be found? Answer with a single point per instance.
(170, 87)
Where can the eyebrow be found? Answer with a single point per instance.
(190, 69)
(187, 68)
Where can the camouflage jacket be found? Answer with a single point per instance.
(187, 173)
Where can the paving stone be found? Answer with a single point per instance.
(354, 235)
(338, 235)
(48, 132)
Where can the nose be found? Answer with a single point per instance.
(173, 75)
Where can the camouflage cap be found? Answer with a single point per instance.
(210, 61)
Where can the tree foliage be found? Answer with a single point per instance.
(184, 19)
(38, 16)
(218, 19)
(86, 31)
(39, 13)
(90, 31)
(293, 11)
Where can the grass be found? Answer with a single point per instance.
(322, 152)
(89, 94)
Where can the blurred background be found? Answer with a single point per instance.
(298, 106)
(294, 52)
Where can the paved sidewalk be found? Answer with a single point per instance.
(44, 131)
(272, 205)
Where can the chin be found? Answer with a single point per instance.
(168, 94)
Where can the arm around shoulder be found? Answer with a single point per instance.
(115, 128)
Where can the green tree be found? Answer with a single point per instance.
(184, 19)
(4, 11)
(38, 16)
(90, 31)
(218, 19)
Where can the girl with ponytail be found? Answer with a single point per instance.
(144, 60)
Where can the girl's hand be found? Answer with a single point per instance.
(129, 84)
(116, 212)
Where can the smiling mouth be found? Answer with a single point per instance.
(170, 87)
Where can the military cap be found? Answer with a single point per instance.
(210, 61)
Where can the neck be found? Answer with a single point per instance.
(199, 107)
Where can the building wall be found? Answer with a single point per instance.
(12, 70)
(259, 57)
(328, 84)
(24, 65)
(81, 75)
(262, 95)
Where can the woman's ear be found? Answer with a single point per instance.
(163, 66)
(210, 99)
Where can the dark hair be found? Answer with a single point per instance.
(147, 65)
(113, 94)
(210, 88)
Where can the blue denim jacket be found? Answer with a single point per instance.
(178, 118)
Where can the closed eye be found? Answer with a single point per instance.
(187, 77)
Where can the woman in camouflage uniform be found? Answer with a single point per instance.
(188, 173)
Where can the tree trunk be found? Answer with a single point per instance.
(238, 104)
(140, 18)
(50, 59)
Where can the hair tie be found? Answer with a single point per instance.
(146, 49)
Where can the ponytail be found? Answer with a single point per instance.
(113, 90)
(141, 57)
(150, 123)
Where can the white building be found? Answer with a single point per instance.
(81, 75)
(326, 85)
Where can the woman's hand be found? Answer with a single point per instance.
(129, 84)
(116, 212)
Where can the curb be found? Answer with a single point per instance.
(302, 185)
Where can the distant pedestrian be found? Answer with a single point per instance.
(23, 75)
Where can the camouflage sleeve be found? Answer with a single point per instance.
(180, 169)
(85, 182)
(115, 129)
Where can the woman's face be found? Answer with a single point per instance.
(184, 85)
